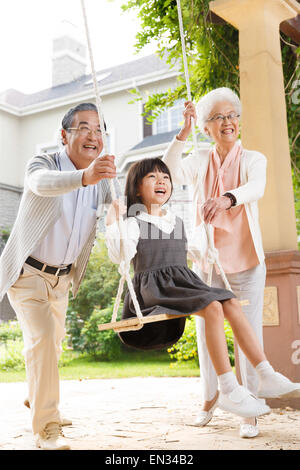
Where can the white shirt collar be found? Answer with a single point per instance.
(66, 163)
(168, 218)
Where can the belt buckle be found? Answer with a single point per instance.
(57, 272)
(44, 267)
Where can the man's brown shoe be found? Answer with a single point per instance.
(52, 438)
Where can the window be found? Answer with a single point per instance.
(169, 119)
(162, 123)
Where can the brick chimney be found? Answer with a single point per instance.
(69, 55)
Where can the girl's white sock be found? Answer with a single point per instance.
(228, 382)
(264, 370)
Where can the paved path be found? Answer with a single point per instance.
(141, 413)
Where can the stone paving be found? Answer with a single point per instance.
(142, 414)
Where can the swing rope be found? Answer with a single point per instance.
(125, 274)
(137, 323)
(212, 255)
(212, 252)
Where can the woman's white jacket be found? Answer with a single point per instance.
(192, 170)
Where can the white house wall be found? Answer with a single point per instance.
(22, 137)
(9, 149)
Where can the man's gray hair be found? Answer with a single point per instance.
(208, 101)
(68, 118)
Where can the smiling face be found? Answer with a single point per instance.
(224, 133)
(81, 147)
(155, 190)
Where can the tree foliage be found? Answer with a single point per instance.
(99, 286)
(94, 305)
(213, 58)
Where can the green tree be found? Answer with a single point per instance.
(97, 291)
(213, 58)
(99, 285)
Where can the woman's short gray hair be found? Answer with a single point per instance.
(208, 101)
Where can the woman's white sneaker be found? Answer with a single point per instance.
(277, 385)
(242, 403)
(52, 438)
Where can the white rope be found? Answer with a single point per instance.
(96, 89)
(126, 274)
(213, 255)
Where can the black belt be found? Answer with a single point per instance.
(46, 268)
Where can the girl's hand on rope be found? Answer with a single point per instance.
(115, 211)
(100, 168)
(188, 114)
(212, 207)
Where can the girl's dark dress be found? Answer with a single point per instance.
(164, 284)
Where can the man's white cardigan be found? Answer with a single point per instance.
(192, 170)
(40, 208)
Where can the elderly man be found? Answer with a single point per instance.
(48, 249)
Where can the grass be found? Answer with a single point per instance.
(131, 364)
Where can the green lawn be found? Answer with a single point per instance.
(131, 364)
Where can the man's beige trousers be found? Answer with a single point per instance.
(40, 301)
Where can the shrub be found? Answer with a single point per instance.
(11, 348)
(99, 286)
(230, 341)
(74, 325)
(9, 331)
(102, 345)
(4, 234)
(67, 355)
(186, 348)
(11, 355)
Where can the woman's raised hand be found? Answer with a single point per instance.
(188, 113)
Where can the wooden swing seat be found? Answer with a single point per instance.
(134, 321)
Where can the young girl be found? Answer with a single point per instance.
(156, 243)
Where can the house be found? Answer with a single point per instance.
(30, 123)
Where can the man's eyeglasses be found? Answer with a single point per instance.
(220, 117)
(85, 131)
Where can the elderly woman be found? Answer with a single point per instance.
(232, 180)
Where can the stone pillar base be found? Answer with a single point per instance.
(282, 317)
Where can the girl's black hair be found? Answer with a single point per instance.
(134, 177)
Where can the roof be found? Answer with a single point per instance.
(147, 66)
(163, 138)
(153, 146)
(155, 139)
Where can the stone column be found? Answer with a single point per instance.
(264, 128)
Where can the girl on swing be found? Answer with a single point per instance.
(156, 244)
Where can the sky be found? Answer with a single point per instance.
(28, 27)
